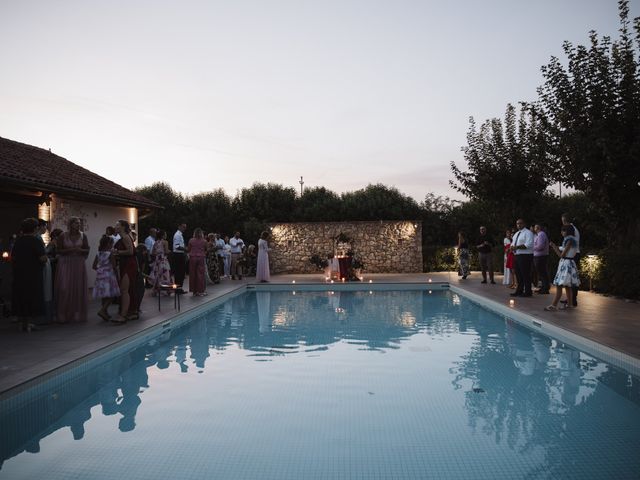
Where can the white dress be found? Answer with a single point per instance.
(262, 268)
(506, 280)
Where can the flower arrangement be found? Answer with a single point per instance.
(318, 261)
(342, 238)
(357, 263)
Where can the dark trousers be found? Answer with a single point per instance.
(524, 262)
(486, 265)
(178, 267)
(543, 272)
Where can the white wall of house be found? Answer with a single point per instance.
(95, 219)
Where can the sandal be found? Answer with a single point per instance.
(104, 315)
(119, 320)
(550, 308)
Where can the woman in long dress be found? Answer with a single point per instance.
(161, 268)
(28, 258)
(226, 253)
(213, 270)
(509, 277)
(262, 268)
(128, 269)
(463, 256)
(71, 293)
(196, 248)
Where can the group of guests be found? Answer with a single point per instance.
(208, 259)
(50, 281)
(526, 254)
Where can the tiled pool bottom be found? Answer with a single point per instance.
(387, 384)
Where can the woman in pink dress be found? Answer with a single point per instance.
(262, 268)
(196, 248)
(160, 269)
(72, 292)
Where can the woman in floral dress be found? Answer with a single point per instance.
(160, 269)
(106, 285)
(567, 273)
(463, 256)
(213, 266)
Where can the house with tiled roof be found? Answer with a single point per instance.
(35, 182)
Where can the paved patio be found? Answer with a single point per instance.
(606, 320)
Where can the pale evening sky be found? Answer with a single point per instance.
(209, 94)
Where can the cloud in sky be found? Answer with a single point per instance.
(210, 94)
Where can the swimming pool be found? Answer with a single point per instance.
(331, 384)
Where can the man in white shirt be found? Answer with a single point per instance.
(522, 247)
(178, 255)
(237, 245)
(151, 239)
(566, 220)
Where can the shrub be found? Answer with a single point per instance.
(618, 273)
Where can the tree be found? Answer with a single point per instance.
(268, 202)
(212, 211)
(378, 202)
(505, 164)
(176, 208)
(590, 108)
(318, 204)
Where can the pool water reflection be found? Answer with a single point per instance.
(403, 384)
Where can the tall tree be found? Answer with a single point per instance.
(590, 106)
(505, 161)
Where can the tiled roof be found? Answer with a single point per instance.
(32, 167)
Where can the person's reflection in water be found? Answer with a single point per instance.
(520, 344)
(542, 349)
(181, 353)
(133, 379)
(108, 381)
(199, 343)
(570, 374)
(161, 354)
(263, 300)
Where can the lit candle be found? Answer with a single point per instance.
(512, 302)
(370, 281)
(293, 281)
(342, 279)
(429, 280)
(331, 281)
(5, 255)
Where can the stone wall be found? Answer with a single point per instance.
(383, 247)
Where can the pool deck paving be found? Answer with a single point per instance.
(609, 321)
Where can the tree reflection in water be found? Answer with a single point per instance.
(538, 394)
(520, 388)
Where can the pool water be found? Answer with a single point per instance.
(380, 384)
